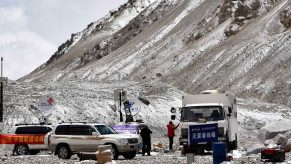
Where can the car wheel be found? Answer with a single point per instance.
(184, 150)
(235, 143)
(129, 155)
(64, 152)
(21, 149)
(114, 152)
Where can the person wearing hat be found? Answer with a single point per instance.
(171, 133)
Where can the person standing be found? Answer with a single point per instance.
(171, 133)
(146, 140)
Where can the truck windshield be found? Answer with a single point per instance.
(105, 129)
(198, 113)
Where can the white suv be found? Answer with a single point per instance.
(72, 138)
(29, 129)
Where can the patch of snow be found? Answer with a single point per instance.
(237, 153)
(212, 39)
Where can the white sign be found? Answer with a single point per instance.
(134, 105)
(46, 105)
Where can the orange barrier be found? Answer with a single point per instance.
(21, 139)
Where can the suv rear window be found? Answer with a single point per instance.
(33, 130)
(62, 129)
(74, 130)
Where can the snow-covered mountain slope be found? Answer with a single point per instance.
(161, 49)
(240, 46)
(94, 35)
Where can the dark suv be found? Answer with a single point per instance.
(27, 130)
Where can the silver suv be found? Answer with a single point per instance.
(67, 139)
(22, 148)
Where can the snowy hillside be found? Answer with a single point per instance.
(90, 101)
(240, 46)
(163, 49)
(160, 50)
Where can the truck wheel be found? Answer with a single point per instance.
(64, 152)
(235, 143)
(21, 149)
(228, 144)
(129, 155)
(184, 150)
(114, 151)
(200, 151)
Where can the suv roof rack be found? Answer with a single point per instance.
(33, 124)
(72, 122)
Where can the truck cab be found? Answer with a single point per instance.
(209, 107)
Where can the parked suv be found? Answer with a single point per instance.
(29, 129)
(72, 138)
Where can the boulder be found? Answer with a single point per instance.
(158, 147)
(280, 138)
(255, 149)
(268, 142)
(287, 146)
(271, 130)
(288, 134)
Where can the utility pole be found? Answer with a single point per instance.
(1, 94)
(2, 80)
(120, 103)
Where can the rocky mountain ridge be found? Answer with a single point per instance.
(166, 49)
(240, 46)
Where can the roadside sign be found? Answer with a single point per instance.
(22, 138)
(126, 128)
(203, 133)
(134, 106)
(46, 104)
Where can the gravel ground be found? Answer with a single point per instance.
(246, 139)
(155, 158)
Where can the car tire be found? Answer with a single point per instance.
(184, 150)
(129, 155)
(64, 152)
(21, 149)
(235, 143)
(114, 151)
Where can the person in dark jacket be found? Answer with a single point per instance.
(171, 133)
(146, 140)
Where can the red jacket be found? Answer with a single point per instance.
(171, 130)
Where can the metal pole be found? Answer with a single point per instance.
(1, 102)
(1, 92)
(120, 114)
(1, 67)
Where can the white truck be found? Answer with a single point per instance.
(209, 107)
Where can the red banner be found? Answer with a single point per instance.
(21, 139)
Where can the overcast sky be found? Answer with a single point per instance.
(32, 30)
